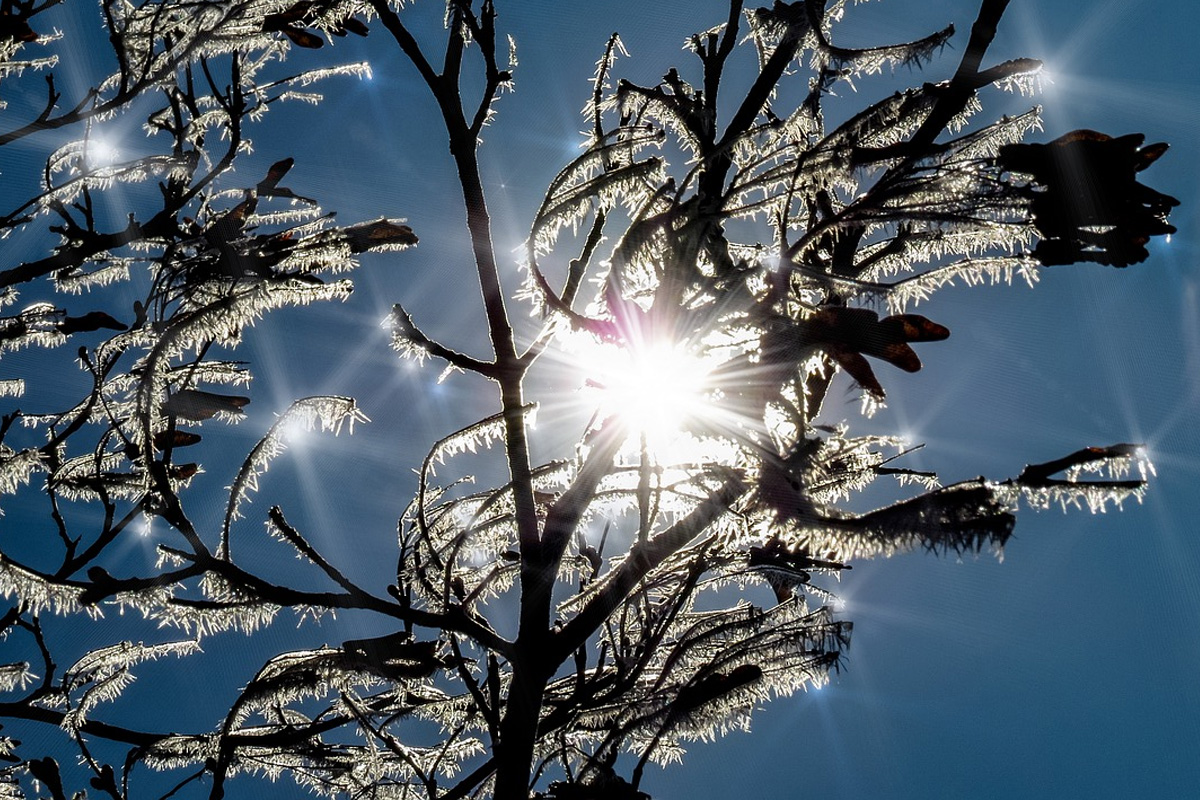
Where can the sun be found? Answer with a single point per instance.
(101, 152)
(655, 388)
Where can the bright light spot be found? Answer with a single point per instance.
(101, 153)
(655, 388)
(1168, 238)
(478, 557)
(297, 431)
(1143, 462)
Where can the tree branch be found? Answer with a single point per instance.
(643, 558)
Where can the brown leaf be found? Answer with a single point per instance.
(303, 38)
(354, 25)
(898, 354)
(1086, 200)
(275, 175)
(280, 20)
(1149, 154)
(711, 687)
(195, 404)
(857, 367)
(91, 321)
(847, 334)
(163, 439)
(184, 471)
(380, 233)
(230, 225)
(913, 328)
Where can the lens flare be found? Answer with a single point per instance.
(101, 153)
(655, 388)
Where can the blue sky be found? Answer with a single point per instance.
(1067, 670)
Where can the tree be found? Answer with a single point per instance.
(574, 619)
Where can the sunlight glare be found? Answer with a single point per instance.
(298, 432)
(101, 153)
(654, 388)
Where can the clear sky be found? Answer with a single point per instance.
(1067, 670)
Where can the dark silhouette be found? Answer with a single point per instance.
(541, 635)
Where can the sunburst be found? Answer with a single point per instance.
(659, 390)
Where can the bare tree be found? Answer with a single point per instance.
(727, 255)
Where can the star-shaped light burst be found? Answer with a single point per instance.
(660, 390)
(655, 388)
